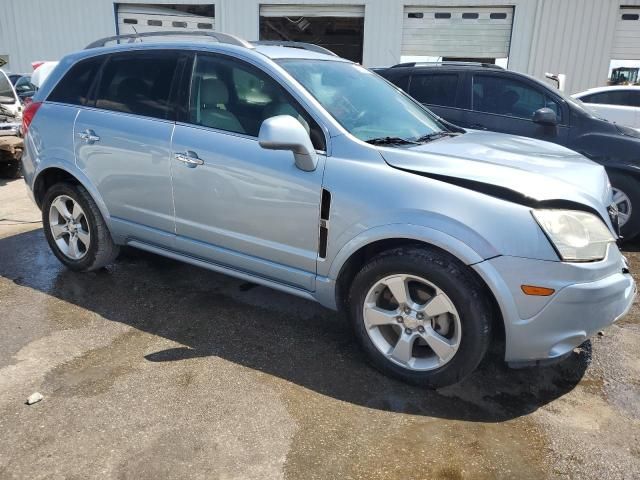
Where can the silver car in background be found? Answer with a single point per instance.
(298, 170)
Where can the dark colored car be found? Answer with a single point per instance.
(487, 97)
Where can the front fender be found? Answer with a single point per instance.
(420, 233)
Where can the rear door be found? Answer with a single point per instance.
(506, 104)
(122, 142)
(440, 92)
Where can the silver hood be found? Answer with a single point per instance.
(531, 170)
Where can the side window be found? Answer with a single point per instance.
(439, 89)
(507, 96)
(138, 83)
(614, 97)
(236, 97)
(74, 86)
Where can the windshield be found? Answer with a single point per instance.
(361, 101)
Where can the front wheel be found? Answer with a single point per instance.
(420, 316)
(626, 196)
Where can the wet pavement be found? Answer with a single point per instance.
(155, 369)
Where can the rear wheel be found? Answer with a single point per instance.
(420, 316)
(626, 195)
(75, 229)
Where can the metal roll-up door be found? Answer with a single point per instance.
(457, 32)
(626, 41)
(151, 18)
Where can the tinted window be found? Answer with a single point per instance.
(138, 83)
(435, 89)
(507, 96)
(236, 97)
(74, 86)
(615, 97)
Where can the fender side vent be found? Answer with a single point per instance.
(325, 209)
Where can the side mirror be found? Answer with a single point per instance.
(545, 116)
(284, 132)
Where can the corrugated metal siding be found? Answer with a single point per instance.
(33, 30)
(574, 37)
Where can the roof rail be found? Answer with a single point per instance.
(132, 37)
(305, 46)
(448, 62)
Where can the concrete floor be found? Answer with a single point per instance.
(155, 369)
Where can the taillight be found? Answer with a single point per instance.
(28, 114)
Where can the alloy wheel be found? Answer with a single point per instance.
(623, 202)
(69, 227)
(412, 322)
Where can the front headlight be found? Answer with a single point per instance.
(577, 236)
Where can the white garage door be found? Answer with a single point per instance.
(297, 11)
(140, 18)
(626, 42)
(458, 32)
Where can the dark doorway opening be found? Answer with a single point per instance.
(342, 35)
(469, 59)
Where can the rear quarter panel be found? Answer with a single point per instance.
(49, 141)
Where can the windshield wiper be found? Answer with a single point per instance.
(391, 141)
(429, 137)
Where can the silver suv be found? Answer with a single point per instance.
(307, 173)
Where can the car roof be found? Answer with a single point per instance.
(609, 88)
(273, 52)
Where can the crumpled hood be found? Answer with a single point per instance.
(531, 169)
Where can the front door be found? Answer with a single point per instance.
(123, 144)
(237, 204)
(505, 104)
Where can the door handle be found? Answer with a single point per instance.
(189, 158)
(89, 136)
(477, 126)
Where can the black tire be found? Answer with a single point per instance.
(631, 187)
(11, 169)
(102, 250)
(457, 282)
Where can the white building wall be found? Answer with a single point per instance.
(560, 36)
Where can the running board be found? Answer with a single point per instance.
(222, 269)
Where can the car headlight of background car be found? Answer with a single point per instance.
(577, 236)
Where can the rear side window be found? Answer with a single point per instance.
(138, 83)
(75, 84)
(623, 98)
(509, 96)
(437, 89)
